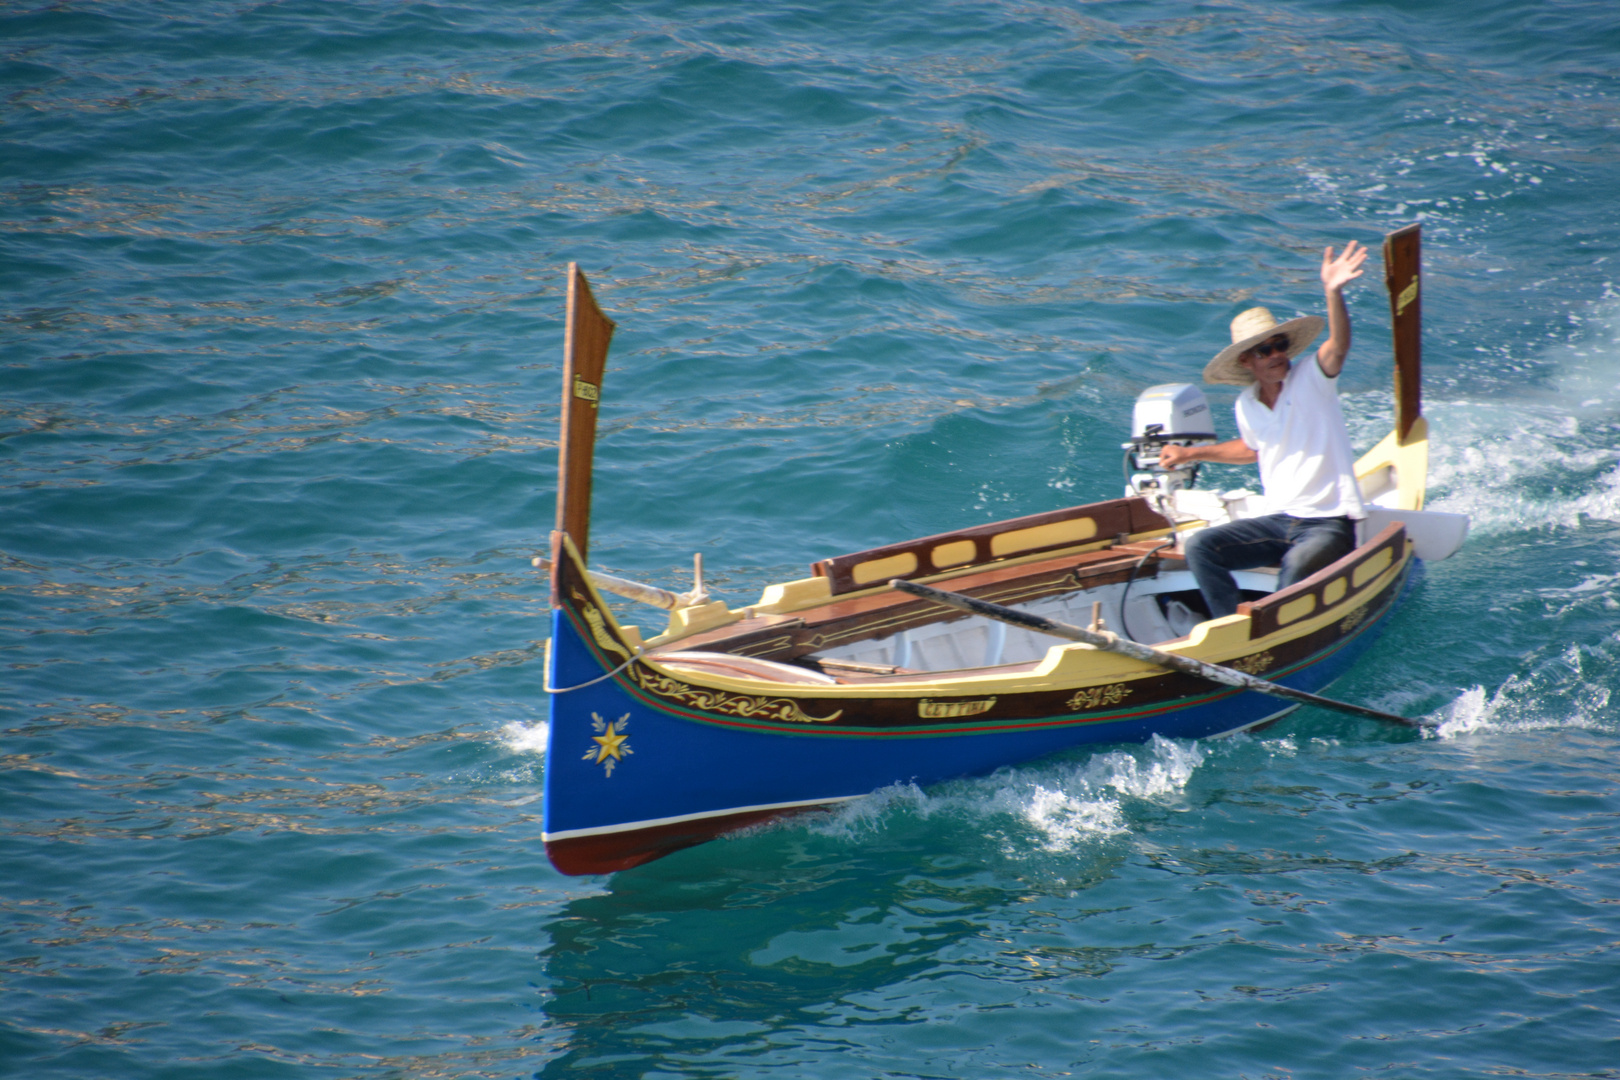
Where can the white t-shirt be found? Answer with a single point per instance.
(1306, 463)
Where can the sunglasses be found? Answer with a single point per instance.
(1266, 348)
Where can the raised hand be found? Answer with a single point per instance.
(1339, 272)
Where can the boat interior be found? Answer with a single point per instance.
(1114, 565)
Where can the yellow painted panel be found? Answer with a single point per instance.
(791, 595)
(1372, 567)
(883, 569)
(1072, 531)
(1296, 609)
(1334, 592)
(1408, 294)
(954, 553)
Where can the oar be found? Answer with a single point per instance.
(644, 594)
(1112, 643)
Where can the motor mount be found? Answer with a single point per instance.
(1171, 413)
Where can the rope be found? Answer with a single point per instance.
(1164, 512)
(593, 682)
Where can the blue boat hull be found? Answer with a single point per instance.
(631, 776)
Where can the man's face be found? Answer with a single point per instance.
(1268, 361)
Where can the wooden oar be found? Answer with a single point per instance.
(1112, 643)
(645, 594)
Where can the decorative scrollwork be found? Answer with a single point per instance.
(599, 630)
(1254, 665)
(718, 701)
(1353, 620)
(1094, 697)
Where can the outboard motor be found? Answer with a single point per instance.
(1171, 413)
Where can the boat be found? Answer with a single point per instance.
(837, 684)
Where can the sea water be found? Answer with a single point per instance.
(279, 365)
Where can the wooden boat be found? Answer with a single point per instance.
(836, 684)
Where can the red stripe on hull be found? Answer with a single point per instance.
(605, 853)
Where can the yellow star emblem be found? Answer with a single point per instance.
(612, 745)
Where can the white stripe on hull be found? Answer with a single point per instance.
(653, 823)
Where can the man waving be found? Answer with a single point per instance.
(1290, 422)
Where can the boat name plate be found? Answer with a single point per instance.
(942, 710)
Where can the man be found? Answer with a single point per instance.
(1290, 422)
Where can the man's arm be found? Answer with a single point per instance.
(1336, 274)
(1231, 452)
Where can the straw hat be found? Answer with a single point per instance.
(1250, 329)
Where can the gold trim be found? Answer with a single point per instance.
(1094, 697)
(719, 701)
(1254, 665)
(1407, 295)
(766, 647)
(599, 630)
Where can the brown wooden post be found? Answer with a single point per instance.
(1402, 272)
(585, 349)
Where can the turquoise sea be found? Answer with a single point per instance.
(280, 338)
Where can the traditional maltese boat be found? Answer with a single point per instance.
(840, 683)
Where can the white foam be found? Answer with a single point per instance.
(525, 738)
(1545, 459)
(1063, 806)
(1169, 766)
(1525, 704)
(1062, 818)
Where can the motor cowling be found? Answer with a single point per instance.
(1175, 413)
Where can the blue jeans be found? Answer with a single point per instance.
(1302, 545)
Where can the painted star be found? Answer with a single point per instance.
(610, 745)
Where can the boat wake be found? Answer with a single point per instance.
(1542, 455)
(1533, 703)
(1055, 807)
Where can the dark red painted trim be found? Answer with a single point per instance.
(605, 853)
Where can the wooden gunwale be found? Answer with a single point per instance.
(895, 706)
(1109, 519)
(889, 717)
(1266, 615)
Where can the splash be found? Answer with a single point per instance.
(1544, 459)
(1057, 808)
(1169, 766)
(525, 738)
(1522, 704)
(1089, 802)
(1062, 819)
